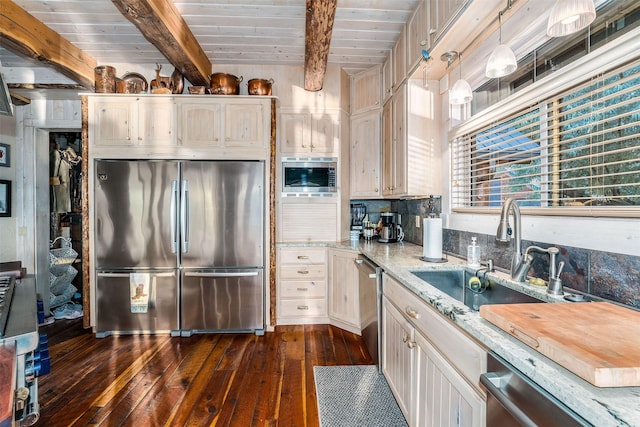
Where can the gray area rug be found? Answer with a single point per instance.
(355, 396)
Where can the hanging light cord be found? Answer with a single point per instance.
(509, 5)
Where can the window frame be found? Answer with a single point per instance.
(614, 54)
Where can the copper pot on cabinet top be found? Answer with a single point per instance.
(225, 84)
(259, 87)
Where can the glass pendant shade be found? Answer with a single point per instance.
(460, 93)
(502, 62)
(569, 16)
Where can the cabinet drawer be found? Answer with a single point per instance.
(303, 288)
(461, 351)
(302, 307)
(303, 256)
(303, 272)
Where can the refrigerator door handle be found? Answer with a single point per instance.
(184, 216)
(174, 208)
(138, 271)
(243, 274)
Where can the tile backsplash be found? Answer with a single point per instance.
(605, 275)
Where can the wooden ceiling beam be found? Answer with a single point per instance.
(319, 25)
(25, 35)
(162, 25)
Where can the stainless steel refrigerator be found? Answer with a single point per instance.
(179, 246)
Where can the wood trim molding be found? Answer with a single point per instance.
(272, 208)
(319, 26)
(161, 23)
(25, 35)
(86, 236)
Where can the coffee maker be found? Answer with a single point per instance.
(391, 231)
(358, 212)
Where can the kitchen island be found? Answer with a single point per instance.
(599, 406)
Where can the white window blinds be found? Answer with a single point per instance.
(576, 148)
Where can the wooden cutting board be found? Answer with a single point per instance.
(598, 341)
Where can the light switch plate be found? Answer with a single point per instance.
(418, 221)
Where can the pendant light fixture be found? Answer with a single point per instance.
(502, 60)
(569, 16)
(460, 93)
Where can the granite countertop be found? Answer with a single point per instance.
(599, 406)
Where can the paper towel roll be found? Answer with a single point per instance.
(432, 239)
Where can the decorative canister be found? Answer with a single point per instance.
(121, 86)
(105, 79)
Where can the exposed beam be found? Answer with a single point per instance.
(17, 99)
(161, 24)
(32, 86)
(319, 25)
(25, 35)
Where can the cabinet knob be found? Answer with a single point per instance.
(303, 272)
(412, 313)
(411, 344)
(405, 337)
(376, 190)
(303, 307)
(303, 257)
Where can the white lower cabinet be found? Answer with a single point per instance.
(434, 387)
(344, 295)
(397, 356)
(302, 286)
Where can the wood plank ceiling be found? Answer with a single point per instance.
(261, 32)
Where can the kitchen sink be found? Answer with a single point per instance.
(454, 283)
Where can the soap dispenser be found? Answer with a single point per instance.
(473, 253)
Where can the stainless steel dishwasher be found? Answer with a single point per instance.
(514, 400)
(370, 293)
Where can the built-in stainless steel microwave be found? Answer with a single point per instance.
(309, 174)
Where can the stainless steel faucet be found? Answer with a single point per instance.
(504, 233)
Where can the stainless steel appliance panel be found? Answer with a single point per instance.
(114, 303)
(514, 400)
(135, 203)
(222, 211)
(309, 175)
(370, 292)
(229, 299)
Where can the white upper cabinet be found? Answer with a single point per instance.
(442, 14)
(296, 133)
(155, 125)
(308, 133)
(243, 125)
(199, 124)
(417, 36)
(120, 121)
(399, 54)
(411, 142)
(365, 90)
(387, 78)
(365, 155)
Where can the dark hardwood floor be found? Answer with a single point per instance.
(203, 380)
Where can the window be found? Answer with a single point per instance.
(578, 148)
(613, 20)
